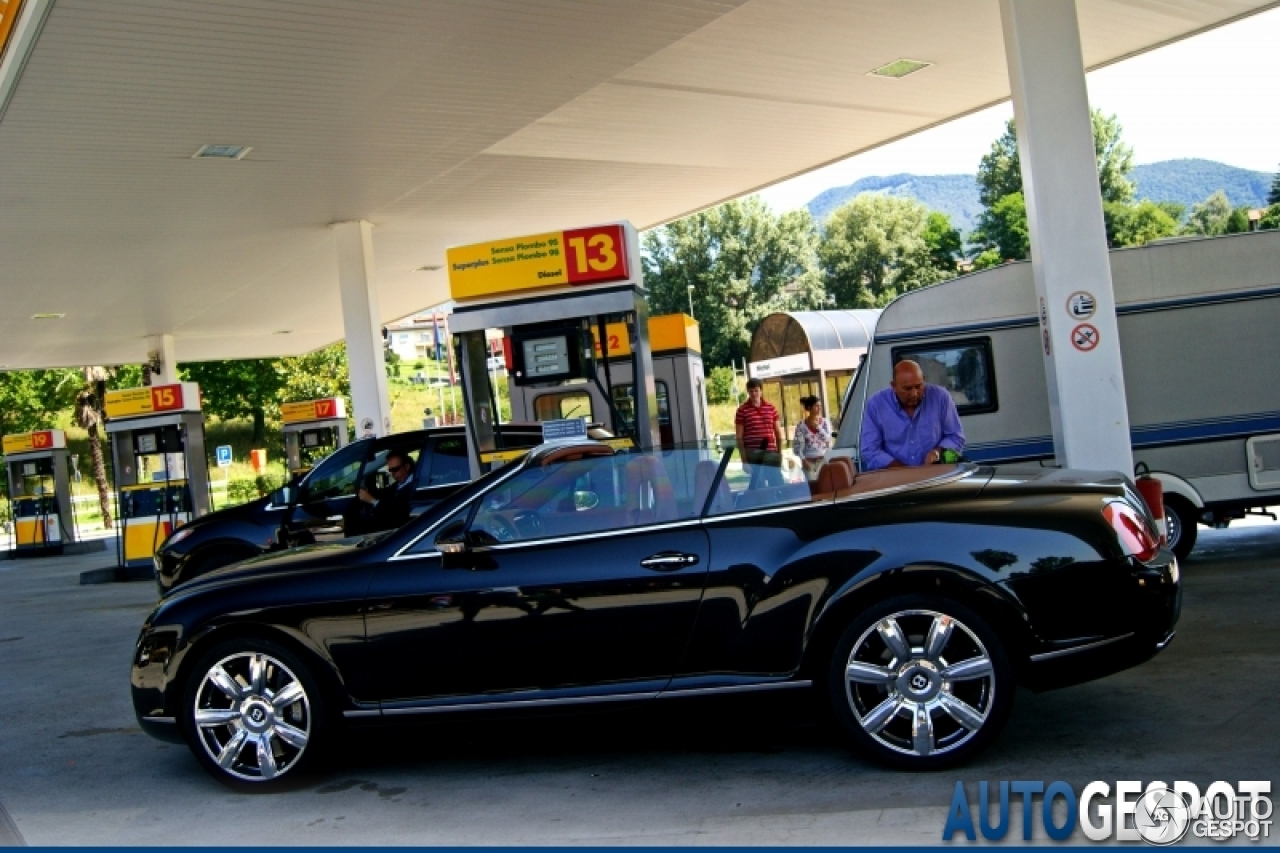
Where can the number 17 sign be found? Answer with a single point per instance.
(579, 256)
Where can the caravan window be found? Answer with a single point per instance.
(962, 367)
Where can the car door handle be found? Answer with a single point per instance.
(669, 561)
(334, 525)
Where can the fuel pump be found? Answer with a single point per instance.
(676, 350)
(162, 476)
(549, 294)
(39, 491)
(312, 430)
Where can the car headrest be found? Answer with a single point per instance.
(832, 477)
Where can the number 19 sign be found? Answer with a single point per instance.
(562, 258)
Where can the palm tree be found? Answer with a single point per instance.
(89, 416)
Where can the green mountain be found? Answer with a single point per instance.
(1185, 181)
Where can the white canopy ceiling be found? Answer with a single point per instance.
(442, 123)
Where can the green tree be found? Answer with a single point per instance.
(238, 389)
(1002, 228)
(874, 249)
(1238, 220)
(316, 375)
(1270, 219)
(1137, 224)
(743, 262)
(944, 243)
(31, 399)
(1210, 217)
(721, 385)
(1273, 197)
(88, 415)
(1000, 170)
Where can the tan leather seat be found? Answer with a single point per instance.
(833, 477)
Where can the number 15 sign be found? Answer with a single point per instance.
(557, 259)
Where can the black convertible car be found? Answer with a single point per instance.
(910, 600)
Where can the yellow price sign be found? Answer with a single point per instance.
(130, 402)
(27, 442)
(555, 259)
(313, 410)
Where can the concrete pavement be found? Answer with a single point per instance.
(75, 769)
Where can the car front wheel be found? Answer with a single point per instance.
(253, 714)
(920, 683)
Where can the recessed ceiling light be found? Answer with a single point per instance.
(435, 268)
(899, 68)
(49, 316)
(221, 152)
(283, 332)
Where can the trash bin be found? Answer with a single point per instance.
(258, 459)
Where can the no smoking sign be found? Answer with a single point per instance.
(1084, 337)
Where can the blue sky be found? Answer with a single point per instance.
(1212, 96)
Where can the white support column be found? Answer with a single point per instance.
(362, 323)
(1068, 238)
(160, 347)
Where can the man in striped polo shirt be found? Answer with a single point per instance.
(758, 430)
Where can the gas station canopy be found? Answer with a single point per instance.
(440, 123)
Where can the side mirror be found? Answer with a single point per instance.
(452, 545)
(284, 496)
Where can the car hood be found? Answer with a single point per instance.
(294, 560)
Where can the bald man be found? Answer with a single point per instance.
(909, 423)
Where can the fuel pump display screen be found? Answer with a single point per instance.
(546, 357)
(28, 469)
(147, 442)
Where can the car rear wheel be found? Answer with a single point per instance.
(920, 683)
(1180, 526)
(253, 714)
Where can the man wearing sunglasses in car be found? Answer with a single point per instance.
(392, 506)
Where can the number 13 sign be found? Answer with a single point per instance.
(579, 256)
(596, 254)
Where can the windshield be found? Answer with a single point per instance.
(457, 499)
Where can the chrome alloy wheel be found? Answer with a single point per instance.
(252, 716)
(920, 683)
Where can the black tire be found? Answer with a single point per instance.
(237, 730)
(1180, 525)
(906, 712)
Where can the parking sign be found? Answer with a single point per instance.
(224, 456)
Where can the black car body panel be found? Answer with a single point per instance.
(740, 600)
(263, 526)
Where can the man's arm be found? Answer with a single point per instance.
(777, 433)
(737, 431)
(871, 444)
(952, 431)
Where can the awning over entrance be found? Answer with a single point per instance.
(804, 353)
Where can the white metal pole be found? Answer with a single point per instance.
(1069, 258)
(362, 324)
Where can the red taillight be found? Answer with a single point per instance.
(1135, 538)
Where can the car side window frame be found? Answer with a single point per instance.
(358, 450)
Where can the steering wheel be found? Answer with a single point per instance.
(502, 529)
(528, 523)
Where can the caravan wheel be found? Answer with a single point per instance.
(1180, 524)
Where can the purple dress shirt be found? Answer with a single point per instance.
(888, 434)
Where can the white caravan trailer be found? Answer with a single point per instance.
(1200, 341)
